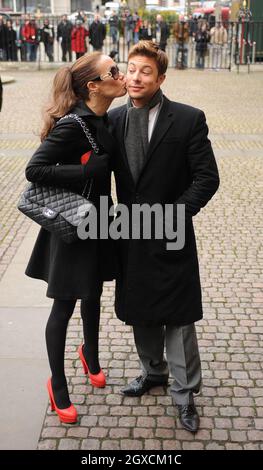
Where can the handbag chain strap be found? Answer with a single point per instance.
(91, 141)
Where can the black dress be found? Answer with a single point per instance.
(72, 271)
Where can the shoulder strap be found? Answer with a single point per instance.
(84, 128)
(92, 143)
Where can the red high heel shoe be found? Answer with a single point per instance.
(97, 380)
(66, 415)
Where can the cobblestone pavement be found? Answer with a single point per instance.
(229, 232)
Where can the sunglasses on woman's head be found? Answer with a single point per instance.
(114, 73)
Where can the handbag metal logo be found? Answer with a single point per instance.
(49, 213)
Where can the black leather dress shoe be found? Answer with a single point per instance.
(189, 417)
(141, 385)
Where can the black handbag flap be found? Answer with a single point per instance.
(57, 201)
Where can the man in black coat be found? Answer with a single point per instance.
(3, 39)
(97, 33)
(165, 158)
(47, 36)
(64, 35)
(162, 32)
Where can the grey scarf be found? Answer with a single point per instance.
(136, 133)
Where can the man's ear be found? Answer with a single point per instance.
(161, 79)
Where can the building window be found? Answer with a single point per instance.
(81, 5)
(32, 6)
(6, 5)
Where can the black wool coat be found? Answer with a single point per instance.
(72, 271)
(155, 286)
(97, 34)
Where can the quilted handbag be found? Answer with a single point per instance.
(58, 210)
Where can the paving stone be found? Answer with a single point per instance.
(80, 433)
(142, 433)
(193, 446)
(110, 445)
(118, 433)
(69, 444)
(90, 444)
(98, 432)
(47, 444)
(131, 444)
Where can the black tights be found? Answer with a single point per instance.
(56, 330)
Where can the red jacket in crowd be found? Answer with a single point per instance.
(29, 33)
(78, 36)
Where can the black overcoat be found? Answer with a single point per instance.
(156, 286)
(73, 270)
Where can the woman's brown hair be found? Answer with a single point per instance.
(150, 49)
(69, 86)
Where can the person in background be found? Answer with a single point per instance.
(192, 27)
(80, 16)
(11, 42)
(21, 41)
(145, 31)
(137, 24)
(97, 33)
(30, 35)
(181, 37)
(47, 37)
(218, 40)
(78, 39)
(128, 28)
(64, 37)
(114, 25)
(201, 41)
(162, 32)
(3, 39)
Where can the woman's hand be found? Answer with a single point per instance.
(97, 165)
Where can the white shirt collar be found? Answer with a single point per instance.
(152, 119)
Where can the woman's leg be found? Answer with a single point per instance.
(90, 313)
(56, 330)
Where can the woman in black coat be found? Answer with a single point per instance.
(64, 158)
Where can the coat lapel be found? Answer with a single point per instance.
(164, 121)
(120, 129)
(162, 125)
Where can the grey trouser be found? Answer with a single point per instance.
(182, 357)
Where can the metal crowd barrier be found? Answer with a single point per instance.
(244, 46)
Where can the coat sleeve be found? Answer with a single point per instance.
(49, 163)
(203, 169)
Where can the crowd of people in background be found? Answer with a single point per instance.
(20, 38)
(201, 34)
